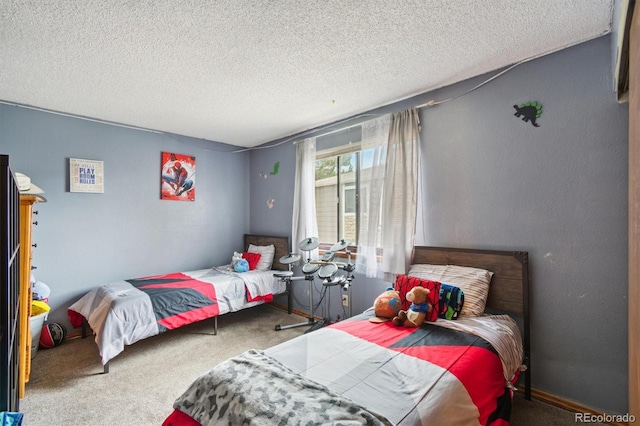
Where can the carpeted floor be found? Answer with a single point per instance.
(67, 386)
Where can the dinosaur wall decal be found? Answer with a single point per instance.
(529, 111)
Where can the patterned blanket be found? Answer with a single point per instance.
(254, 388)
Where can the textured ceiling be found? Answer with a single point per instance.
(248, 72)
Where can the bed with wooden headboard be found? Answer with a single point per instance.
(509, 289)
(461, 371)
(156, 303)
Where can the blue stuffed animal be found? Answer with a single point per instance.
(240, 265)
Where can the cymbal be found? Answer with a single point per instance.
(309, 244)
(290, 258)
(340, 245)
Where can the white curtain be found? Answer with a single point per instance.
(304, 221)
(388, 193)
(375, 136)
(400, 192)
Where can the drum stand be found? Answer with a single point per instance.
(287, 277)
(326, 273)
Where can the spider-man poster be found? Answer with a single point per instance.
(178, 177)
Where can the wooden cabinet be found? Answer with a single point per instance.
(26, 223)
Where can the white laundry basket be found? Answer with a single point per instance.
(37, 322)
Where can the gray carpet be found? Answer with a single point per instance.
(67, 386)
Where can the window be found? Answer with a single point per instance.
(340, 193)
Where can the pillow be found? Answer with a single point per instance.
(474, 282)
(266, 256)
(405, 283)
(451, 301)
(252, 258)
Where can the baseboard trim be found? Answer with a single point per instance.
(293, 310)
(568, 405)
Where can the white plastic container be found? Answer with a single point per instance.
(37, 322)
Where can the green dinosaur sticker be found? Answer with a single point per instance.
(529, 111)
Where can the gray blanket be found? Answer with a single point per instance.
(255, 389)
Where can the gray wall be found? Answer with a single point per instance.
(89, 239)
(558, 191)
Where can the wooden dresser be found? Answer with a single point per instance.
(27, 202)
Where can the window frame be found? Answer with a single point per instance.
(337, 152)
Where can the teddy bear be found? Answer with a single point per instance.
(417, 312)
(386, 306)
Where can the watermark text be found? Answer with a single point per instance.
(604, 418)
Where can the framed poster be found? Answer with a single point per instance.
(178, 177)
(86, 175)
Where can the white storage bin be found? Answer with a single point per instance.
(37, 322)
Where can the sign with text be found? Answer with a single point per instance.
(86, 175)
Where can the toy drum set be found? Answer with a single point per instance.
(325, 268)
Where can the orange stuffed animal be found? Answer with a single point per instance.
(417, 312)
(386, 306)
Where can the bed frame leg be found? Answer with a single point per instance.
(106, 368)
(84, 327)
(215, 326)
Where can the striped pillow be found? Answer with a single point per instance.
(474, 282)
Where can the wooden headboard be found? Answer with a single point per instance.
(280, 243)
(509, 288)
(508, 291)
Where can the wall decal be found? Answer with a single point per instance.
(270, 202)
(274, 172)
(86, 176)
(529, 111)
(178, 177)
